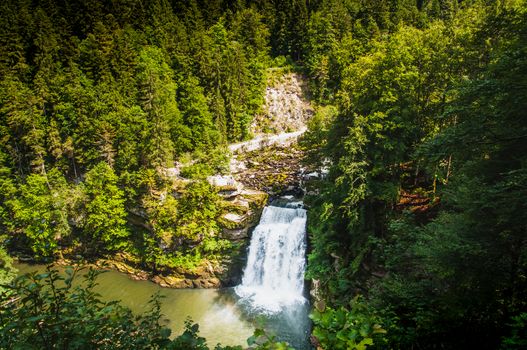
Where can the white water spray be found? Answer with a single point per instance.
(274, 276)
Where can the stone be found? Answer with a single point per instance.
(173, 172)
(172, 282)
(312, 176)
(228, 194)
(232, 221)
(224, 182)
(256, 199)
(237, 205)
(206, 283)
(235, 234)
(203, 271)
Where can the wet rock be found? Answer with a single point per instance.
(172, 282)
(257, 199)
(206, 283)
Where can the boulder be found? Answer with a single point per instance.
(238, 205)
(226, 185)
(233, 221)
(257, 199)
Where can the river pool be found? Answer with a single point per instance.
(222, 317)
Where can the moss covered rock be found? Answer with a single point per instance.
(256, 199)
(233, 221)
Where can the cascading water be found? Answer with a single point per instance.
(274, 276)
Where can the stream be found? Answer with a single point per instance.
(271, 294)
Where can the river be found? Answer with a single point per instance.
(224, 316)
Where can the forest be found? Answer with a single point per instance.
(418, 234)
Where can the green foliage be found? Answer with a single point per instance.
(518, 338)
(189, 339)
(355, 329)
(136, 86)
(203, 164)
(46, 310)
(105, 222)
(260, 340)
(158, 97)
(314, 141)
(184, 231)
(421, 123)
(40, 212)
(7, 271)
(198, 211)
(56, 311)
(423, 211)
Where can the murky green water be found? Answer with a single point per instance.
(220, 316)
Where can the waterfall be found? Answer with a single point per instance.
(274, 276)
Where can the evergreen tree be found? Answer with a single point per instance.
(158, 100)
(40, 212)
(104, 226)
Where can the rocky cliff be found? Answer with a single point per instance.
(286, 107)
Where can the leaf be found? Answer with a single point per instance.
(363, 344)
(165, 332)
(365, 329)
(258, 332)
(251, 340)
(378, 329)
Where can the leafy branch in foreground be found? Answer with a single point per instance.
(51, 310)
(353, 329)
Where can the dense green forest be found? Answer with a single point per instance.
(418, 233)
(98, 99)
(424, 211)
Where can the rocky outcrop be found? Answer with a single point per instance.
(206, 275)
(172, 282)
(273, 170)
(282, 140)
(241, 213)
(271, 161)
(286, 108)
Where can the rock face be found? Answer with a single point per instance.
(286, 108)
(242, 212)
(271, 162)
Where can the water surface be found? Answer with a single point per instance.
(220, 319)
(221, 316)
